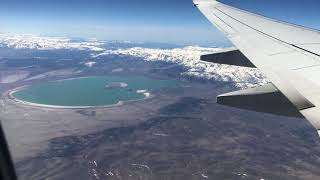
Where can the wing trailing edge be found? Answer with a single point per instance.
(229, 57)
(266, 99)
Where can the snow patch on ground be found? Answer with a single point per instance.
(90, 64)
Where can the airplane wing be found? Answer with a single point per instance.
(287, 54)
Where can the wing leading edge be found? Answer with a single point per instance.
(287, 54)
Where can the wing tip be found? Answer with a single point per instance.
(203, 1)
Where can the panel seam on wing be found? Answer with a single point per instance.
(225, 22)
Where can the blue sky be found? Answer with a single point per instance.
(170, 21)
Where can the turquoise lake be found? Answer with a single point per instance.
(91, 91)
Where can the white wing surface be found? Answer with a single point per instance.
(287, 54)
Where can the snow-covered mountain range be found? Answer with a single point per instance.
(189, 56)
(47, 43)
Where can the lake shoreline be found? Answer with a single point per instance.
(147, 95)
(10, 95)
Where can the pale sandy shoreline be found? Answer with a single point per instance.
(10, 93)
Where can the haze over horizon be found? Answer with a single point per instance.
(174, 21)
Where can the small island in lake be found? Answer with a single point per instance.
(115, 85)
